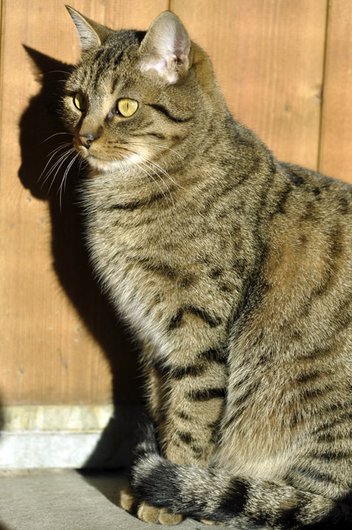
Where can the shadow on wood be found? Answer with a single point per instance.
(41, 132)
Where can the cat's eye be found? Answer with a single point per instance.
(127, 107)
(79, 101)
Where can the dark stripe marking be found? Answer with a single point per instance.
(247, 392)
(234, 498)
(146, 133)
(308, 377)
(185, 437)
(160, 267)
(163, 110)
(215, 430)
(183, 415)
(328, 437)
(313, 393)
(297, 179)
(331, 455)
(206, 394)
(214, 355)
(336, 419)
(194, 370)
(311, 474)
(179, 372)
(215, 273)
(197, 451)
(135, 205)
(103, 59)
(176, 321)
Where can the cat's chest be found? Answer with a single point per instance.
(144, 262)
(153, 266)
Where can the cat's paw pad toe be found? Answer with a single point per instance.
(150, 514)
(126, 500)
(166, 517)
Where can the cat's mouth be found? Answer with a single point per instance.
(83, 151)
(105, 165)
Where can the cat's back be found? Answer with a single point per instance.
(302, 290)
(311, 214)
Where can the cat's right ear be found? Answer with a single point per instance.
(165, 49)
(91, 34)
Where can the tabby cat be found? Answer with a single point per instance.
(233, 270)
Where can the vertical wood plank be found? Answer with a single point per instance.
(336, 135)
(268, 56)
(54, 335)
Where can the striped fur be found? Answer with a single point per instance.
(234, 271)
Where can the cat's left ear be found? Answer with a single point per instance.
(166, 47)
(91, 34)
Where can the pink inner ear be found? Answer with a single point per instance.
(164, 68)
(165, 48)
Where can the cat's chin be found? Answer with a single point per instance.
(111, 166)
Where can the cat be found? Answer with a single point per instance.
(234, 272)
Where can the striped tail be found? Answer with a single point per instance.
(215, 495)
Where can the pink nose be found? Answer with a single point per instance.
(86, 140)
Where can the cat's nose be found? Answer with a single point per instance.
(86, 139)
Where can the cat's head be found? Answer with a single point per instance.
(138, 98)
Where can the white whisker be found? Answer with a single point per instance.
(64, 179)
(57, 166)
(55, 134)
(158, 168)
(52, 154)
(158, 146)
(150, 172)
(142, 168)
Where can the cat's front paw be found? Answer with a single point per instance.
(126, 500)
(145, 512)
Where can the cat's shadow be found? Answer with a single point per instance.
(41, 132)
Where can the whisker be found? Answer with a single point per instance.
(164, 172)
(57, 166)
(52, 154)
(146, 172)
(58, 72)
(155, 169)
(159, 146)
(55, 134)
(62, 187)
(150, 172)
(154, 164)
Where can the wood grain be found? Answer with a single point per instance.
(336, 139)
(59, 341)
(268, 56)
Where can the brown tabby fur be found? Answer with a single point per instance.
(234, 270)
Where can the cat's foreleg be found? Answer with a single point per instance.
(186, 390)
(186, 394)
(154, 391)
(195, 401)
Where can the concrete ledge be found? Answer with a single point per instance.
(67, 437)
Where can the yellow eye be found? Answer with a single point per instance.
(127, 107)
(79, 101)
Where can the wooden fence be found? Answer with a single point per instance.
(285, 67)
